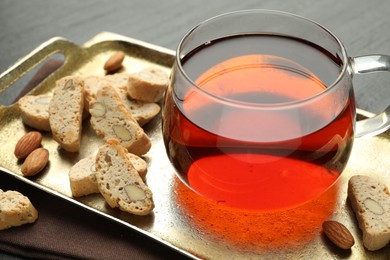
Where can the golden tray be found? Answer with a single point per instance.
(181, 220)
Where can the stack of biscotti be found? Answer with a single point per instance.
(119, 182)
(110, 119)
(118, 106)
(63, 112)
(117, 175)
(82, 175)
(15, 210)
(142, 111)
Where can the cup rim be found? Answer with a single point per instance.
(263, 106)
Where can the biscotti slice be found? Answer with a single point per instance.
(92, 84)
(370, 201)
(66, 112)
(110, 119)
(119, 182)
(148, 85)
(139, 164)
(142, 112)
(35, 111)
(82, 176)
(15, 210)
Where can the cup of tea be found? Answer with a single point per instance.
(260, 111)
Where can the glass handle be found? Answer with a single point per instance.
(380, 122)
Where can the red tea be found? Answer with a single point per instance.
(231, 142)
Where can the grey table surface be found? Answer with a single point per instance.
(363, 26)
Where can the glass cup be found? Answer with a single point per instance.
(260, 111)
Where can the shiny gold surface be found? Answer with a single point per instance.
(181, 219)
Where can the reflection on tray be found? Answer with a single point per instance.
(281, 230)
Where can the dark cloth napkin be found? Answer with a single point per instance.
(66, 231)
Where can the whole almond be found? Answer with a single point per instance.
(338, 234)
(35, 162)
(28, 143)
(115, 61)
